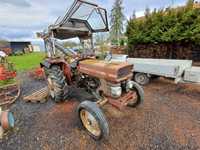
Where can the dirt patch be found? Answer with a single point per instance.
(169, 119)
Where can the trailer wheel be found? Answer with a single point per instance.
(154, 77)
(56, 83)
(141, 78)
(93, 120)
(139, 95)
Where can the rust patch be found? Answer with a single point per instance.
(121, 102)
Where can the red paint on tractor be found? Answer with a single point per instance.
(122, 102)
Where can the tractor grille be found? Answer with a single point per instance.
(123, 72)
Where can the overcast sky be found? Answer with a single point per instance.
(20, 19)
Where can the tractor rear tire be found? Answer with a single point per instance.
(56, 83)
(93, 120)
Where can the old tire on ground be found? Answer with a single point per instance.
(140, 95)
(56, 83)
(93, 120)
(141, 78)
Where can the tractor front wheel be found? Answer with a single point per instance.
(56, 83)
(139, 95)
(93, 120)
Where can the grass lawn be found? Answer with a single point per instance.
(27, 61)
(7, 82)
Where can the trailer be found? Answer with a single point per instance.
(181, 71)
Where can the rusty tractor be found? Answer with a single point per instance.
(107, 82)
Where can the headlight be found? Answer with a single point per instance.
(116, 92)
(129, 85)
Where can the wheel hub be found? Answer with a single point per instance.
(141, 79)
(134, 99)
(90, 123)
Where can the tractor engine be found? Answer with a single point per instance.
(111, 78)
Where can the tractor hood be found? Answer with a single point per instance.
(113, 72)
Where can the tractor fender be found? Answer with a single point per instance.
(45, 64)
(48, 63)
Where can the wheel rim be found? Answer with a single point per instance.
(134, 100)
(141, 79)
(51, 87)
(90, 123)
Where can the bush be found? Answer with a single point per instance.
(166, 26)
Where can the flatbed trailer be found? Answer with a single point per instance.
(181, 71)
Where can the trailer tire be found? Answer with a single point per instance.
(155, 77)
(141, 78)
(140, 95)
(56, 83)
(90, 115)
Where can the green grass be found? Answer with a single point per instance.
(7, 82)
(27, 61)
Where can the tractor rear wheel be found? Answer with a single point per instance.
(56, 83)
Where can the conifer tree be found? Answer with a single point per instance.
(117, 20)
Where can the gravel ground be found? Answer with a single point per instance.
(169, 119)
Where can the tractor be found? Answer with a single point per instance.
(108, 82)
